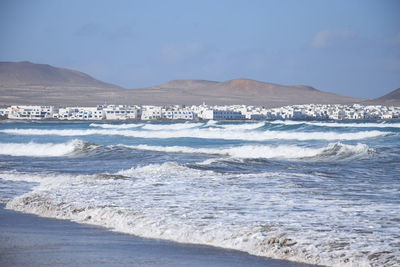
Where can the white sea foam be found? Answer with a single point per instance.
(340, 124)
(242, 126)
(287, 122)
(196, 206)
(208, 133)
(116, 126)
(172, 126)
(32, 149)
(211, 122)
(334, 151)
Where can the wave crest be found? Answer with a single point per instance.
(116, 126)
(335, 124)
(207, 133)
(173, 126)
(32, 149)
(336, 151)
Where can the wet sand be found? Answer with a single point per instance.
(29, 240)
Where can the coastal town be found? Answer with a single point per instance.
(202, 112)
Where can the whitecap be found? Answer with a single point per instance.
(116, 126)
(33, 149)
(333, 151)
(207, 133)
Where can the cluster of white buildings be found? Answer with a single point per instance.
(333, 112)
(203, 112)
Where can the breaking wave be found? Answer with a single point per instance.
(340, 124)
(334, 151)
(188, 205)
(116, 126)
(173, 126)
(208, 133)
(179, 126)
(32, 149)
(243, 126)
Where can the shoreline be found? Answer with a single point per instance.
(30, 240)
(180, 121)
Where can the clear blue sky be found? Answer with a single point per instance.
(347, 47)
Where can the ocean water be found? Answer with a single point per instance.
(316, 192)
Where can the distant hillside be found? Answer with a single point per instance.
(30, 74)
(237, 91)
(390, 99)
(29, 83)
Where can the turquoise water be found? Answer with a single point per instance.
(316, 192)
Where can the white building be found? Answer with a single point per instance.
(226, 115)
(30, 112)
(232, 112)
(206, 114)
(81, 113)
(67, 113)
(4, 112)
(178, 114)
(121, 112)
(151, 113)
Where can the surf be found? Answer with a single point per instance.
(209, 133)
(32, 149)
(332, 151)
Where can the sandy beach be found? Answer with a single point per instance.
(29, 240)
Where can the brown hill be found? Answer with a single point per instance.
(390, 99)
(237, 91)
(30, 74)
(40, 84)
(29, 83)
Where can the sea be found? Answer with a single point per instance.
(318, 192)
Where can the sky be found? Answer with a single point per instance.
(349, 47)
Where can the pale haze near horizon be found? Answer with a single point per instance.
(346, 47)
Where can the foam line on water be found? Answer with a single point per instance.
(208, 133)
(172, 126)
(242, 126)
(33, 149)
(116, 126)
(333, 151)
(340, 124)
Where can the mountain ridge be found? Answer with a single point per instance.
(42, 84)
(251, 91)
(27, 73)
(390, 99)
